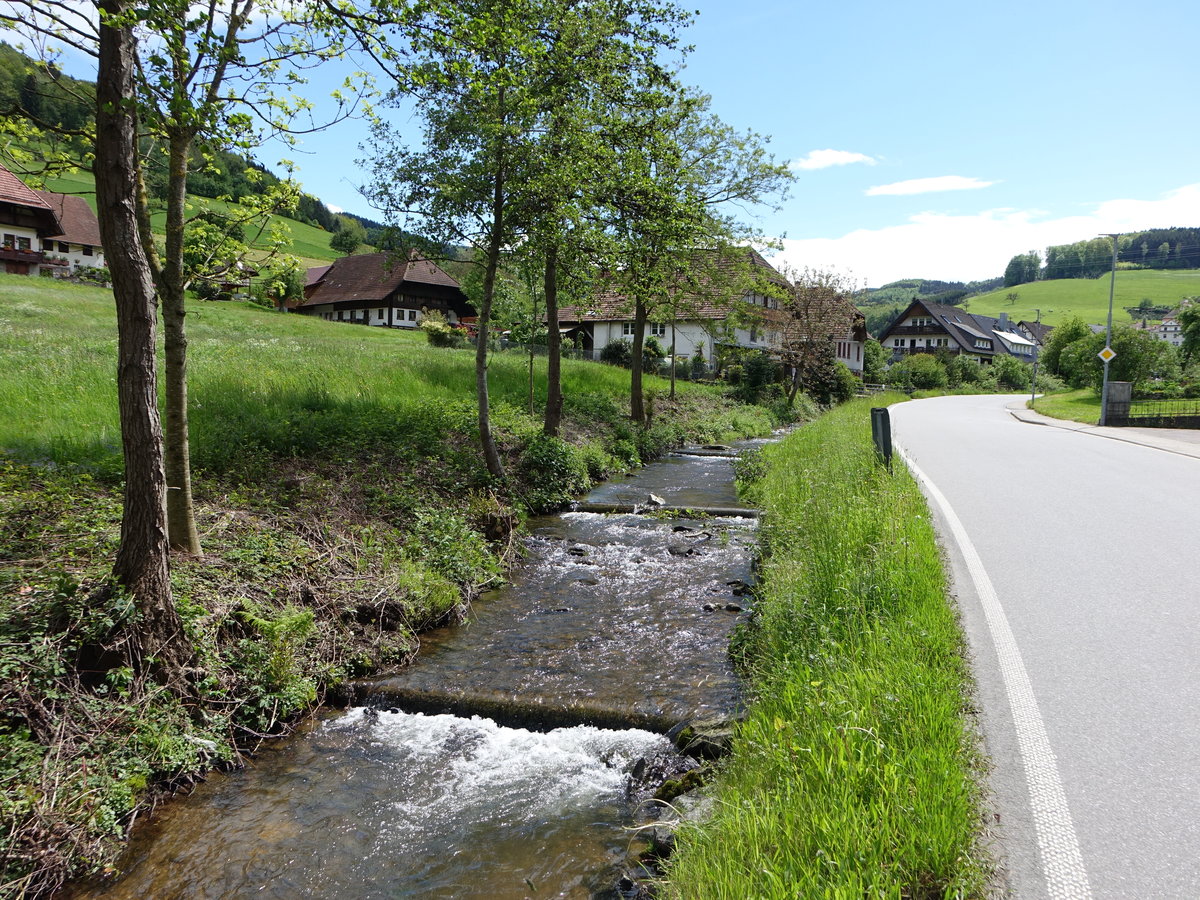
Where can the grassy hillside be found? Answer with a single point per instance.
(310, 244)
(279, 383)
(1088, 298)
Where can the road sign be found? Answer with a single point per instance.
(1108, 354)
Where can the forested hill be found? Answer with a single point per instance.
(59, 101)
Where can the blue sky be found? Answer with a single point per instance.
(932, 139)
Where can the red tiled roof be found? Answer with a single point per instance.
(373, 276)
(14, 190)
(79, 223)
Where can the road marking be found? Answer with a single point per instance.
(1062, 861)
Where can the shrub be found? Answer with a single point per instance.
(617, 352)
(1012, 373)
(964, 370)
(441, 333)
(919, 370)
(552, 471)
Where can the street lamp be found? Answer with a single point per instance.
(1107, 354)
(1033, 383)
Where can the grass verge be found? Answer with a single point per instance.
(853, 773)
(1077, 406)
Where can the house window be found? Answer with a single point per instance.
(47, 245)
(10, 241)
(63, 247)
(754, 334)
(87, 249)
(379, 314)
(658, 329)
(412, 315)
(24, 243)
(341, 313)
(627, 328)
(982, 344)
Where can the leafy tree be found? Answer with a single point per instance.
(918, 370)
(817, 310)
(874, 362)
(349, 236)
(1022, 269)
(1012, 373)
(1139, 358)
(1061, 337)
(1189, 321)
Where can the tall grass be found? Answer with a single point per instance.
(266, 383)
(852, 776)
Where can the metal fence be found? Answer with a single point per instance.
(1161, 414)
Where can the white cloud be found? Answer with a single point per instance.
(824, 159)
(334, 209)
(977, 246)
(928, 186)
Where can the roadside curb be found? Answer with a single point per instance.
(1019, 412)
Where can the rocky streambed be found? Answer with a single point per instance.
(527, 751)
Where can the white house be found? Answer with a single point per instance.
(43, 231)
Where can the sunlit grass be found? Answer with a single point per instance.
(260, 382)
(852, 776)
(1078, 406)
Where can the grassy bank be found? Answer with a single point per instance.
(852, 776)
(1077, 406)
(342, 507)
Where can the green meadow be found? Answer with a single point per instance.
(309, 244)
(1087, 298)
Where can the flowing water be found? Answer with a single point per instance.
(610, 620)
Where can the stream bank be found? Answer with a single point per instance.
(611, 620)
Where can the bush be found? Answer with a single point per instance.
(964, 371)
(1012, 373)
(919, 370)
(617, 352)
(552, 471)
(441, 333)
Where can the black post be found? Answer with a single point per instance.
(881, 433)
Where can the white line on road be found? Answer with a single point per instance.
(1062, 861)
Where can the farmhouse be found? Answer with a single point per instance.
(711, 287)
(382, 290)
(43, 231)
(926, 327)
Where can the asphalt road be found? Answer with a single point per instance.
(1078, 583)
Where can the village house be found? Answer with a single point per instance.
(380, 289)
(926, 327)
(726, 301)
(41, 231)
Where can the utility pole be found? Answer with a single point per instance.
(1107, 353)
(1033, 384)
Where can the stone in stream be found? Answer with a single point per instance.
(655, 500)
(709, 737)
(577, 551)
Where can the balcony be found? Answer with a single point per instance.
(918, 329)
(12, 254)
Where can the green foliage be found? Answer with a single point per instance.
(348, 237)
(617, 352)
(1059, 339)
(552, 472)
(1139, 358)
(441, 333)
(757, 376)
(275, 684)
(918, 370)
(445, 542)
(1011, 372)
(874, 362)
(1022, 269)
(1189, 321)
(964, 371)
(857, 732)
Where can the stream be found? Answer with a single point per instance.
(504, 762)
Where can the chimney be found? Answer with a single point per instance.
(1004, 321)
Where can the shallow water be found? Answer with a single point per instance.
(605, 612)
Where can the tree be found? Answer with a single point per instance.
(349, 236)
(1139, 358)
(818, 310)
(141, 566)
(1189, 322)
(1061, 337)
(678, 177)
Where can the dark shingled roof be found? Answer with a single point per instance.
(374, 276)
(961, 325)
(79, 223)
(702, 300)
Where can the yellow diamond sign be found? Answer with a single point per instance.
(1107, 354)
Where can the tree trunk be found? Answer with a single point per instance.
(672, 357)
(159, 645)
(554, 398)
(491, 456)
(181, 515)
(637, 407)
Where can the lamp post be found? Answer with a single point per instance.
(1107, 354)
